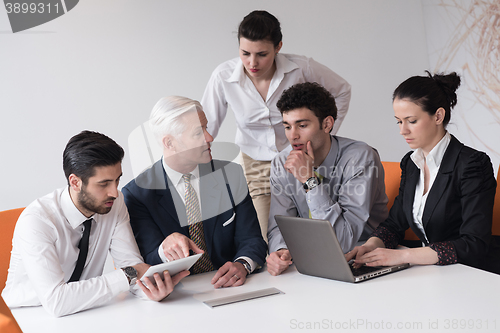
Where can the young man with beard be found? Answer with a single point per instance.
(61, 240)
(322, 176)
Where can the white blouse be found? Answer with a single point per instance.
(260, 133)
(433, 161)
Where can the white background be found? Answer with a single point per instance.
(104, 64)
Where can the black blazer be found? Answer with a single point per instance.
(156, 212)
(459, 205)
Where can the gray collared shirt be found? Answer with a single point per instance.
(351, 196)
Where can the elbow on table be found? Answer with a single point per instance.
(56, 311)
(55, 305)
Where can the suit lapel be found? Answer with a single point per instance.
(412, 177)
(210, 195)
(168, 198)
(442, 178)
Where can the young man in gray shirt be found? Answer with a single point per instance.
(322, 176)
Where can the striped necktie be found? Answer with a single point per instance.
(195, 226)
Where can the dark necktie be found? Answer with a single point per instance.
(84, 249)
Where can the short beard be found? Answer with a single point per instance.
(88, 202)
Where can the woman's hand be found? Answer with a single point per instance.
(359, 251)
(381, 257)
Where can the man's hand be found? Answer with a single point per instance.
(161, 288)
(177, 246)
(232, 274)
(300, 163)
(278, 261)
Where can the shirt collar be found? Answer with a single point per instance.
(238, 73)
(283, 66)
(72, 214)
(435, 155)
(175, 176)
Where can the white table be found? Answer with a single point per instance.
(453, 298)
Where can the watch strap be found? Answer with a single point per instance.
(245, 264)
(131, 274)
(311, 183)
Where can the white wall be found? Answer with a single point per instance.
(104, 64)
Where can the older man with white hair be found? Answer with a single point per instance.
(188, 202)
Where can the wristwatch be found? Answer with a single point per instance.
(246, 265)
(131, 274)
(311, 183)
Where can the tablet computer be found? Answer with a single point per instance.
(173, 267)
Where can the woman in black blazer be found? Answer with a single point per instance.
(447, 189)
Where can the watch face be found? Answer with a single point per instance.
(130, 271)
(311, 183)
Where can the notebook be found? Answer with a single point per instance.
(316, 251)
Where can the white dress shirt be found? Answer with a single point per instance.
(260, 133)
(45, 251)
(176, 179)
(433, 161)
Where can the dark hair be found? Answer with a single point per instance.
(88, 150)
(309, 95)
(260, 25)
(431, 92)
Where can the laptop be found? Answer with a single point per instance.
(316, 251)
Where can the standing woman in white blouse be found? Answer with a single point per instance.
(447, 189)
(252, 84)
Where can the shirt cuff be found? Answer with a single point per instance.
(446, 253)
(137, 292)
(276, 247)
(162, 254)
(252, 263)
(389, 238)
(318, 198)
(117, 281)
